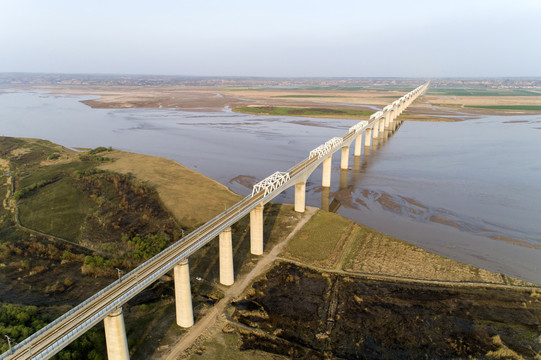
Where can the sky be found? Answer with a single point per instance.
(331, 38)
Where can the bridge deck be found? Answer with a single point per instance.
(58, 334)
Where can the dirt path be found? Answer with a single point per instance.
(401, 279)
(4, 168)
(233, 292)
(7, 203)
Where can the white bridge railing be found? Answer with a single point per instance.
(360, 126)
(326, 148)
(271, 183)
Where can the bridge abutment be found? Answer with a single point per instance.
(300, 197)
(327, 167)
(115, 336)
(256, 230)
(227, 272)
(183, 295)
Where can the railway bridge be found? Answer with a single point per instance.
(106, 305)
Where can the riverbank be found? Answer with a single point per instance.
(328, 244)
(401, 302)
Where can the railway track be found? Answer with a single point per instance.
(61, 332)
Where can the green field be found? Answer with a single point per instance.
(358, 88)
(59, 210)
(507, 107)
(310, 112)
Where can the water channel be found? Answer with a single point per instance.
(467, 190)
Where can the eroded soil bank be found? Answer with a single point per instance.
(298, 312)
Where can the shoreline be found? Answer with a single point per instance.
(246, 278)
(447, 253)
(186, 98)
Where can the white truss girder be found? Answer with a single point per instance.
(359, 126)
(324, 149)
(376, 115)
(271, 183)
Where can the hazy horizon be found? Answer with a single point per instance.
(280, 77)
(458, 39)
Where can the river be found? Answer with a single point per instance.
(467, 190)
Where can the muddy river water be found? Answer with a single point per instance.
(467, 190)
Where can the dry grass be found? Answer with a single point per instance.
(191, 197)
(226, 345)
(375, 253)
(4, 164)
(320, 241)
(331, 241)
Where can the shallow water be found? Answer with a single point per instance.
(467, 190)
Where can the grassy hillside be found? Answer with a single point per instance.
(69, 221)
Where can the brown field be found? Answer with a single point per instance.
(432, 107)
(214, 98)
(460, 103)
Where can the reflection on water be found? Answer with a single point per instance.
(446, 189)
(468, 190)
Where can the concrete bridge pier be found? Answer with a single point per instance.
(358, 140)
(367, 138)
(256, 230)
(375, 130)
(327, 167)
(115, 336)
(183, 294)
(381, 126)
(300, 197)
(344, 164)
(227, 275)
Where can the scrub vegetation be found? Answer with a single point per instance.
(80, 224)
(303, 313)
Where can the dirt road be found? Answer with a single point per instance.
(233, 292)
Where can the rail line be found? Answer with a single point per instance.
(55, 336)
